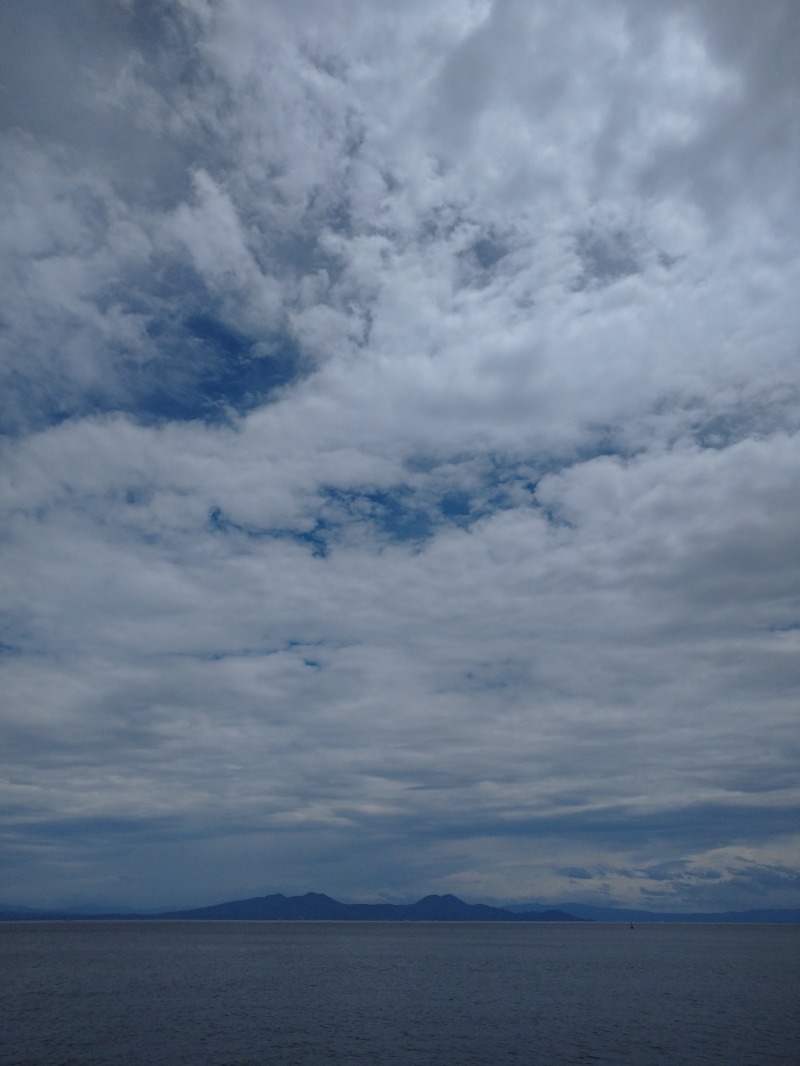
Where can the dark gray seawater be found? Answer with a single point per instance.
(274, 994)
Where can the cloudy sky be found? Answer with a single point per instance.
(401, 455)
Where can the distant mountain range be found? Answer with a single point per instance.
(315, 906)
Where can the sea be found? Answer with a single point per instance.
(75, 993)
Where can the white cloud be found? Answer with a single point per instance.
(500, 573)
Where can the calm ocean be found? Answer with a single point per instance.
(242, 994)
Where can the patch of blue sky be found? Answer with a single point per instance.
(194, 367)
(409, 513)
(406, 514)
(458, 493)
(466, 490)
(193, 362)
(439, 496)
(457, 506)
(232, 376)
(317, 539)
(207, 369)
(499, 480)
(399, 514)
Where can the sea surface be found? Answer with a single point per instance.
(412, 994)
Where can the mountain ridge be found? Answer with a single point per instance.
(315, 906)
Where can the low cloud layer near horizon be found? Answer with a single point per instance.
(401, 413)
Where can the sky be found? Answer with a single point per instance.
(400, 470)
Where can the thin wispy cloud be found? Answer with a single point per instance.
(402, 445)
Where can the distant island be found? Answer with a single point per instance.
(317, 907)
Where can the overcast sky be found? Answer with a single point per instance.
(401, 461)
